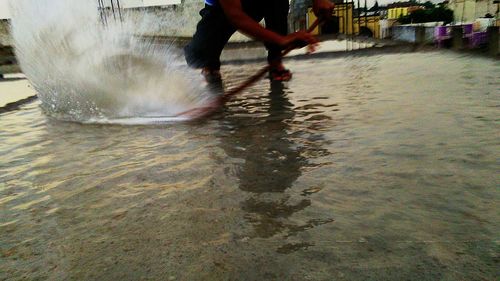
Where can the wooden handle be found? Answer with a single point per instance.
(197, 112)
(257, 76)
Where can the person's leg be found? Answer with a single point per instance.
(212, 33)
(276, 17)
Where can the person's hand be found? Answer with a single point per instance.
(299, 39)
(323, 8)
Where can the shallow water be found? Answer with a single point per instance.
(361, 168)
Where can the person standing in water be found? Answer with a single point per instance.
(221, 18)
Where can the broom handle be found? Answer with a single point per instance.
(257, 76)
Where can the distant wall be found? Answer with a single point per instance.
(494, 40)
(7, 58)
(468, 10)
(429, 35)
(173, 21)
(178, 21)
(5, 37)
(404, 33)
(413, 33)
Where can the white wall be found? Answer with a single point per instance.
(4, 9)
(5, 14)
(473, 9)
(146, 3)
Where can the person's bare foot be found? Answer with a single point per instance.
(211, 75)
(278, 72)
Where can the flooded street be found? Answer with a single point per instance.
(381, 167)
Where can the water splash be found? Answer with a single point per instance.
(86, 72)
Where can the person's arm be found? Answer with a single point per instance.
(244, 23)
(323, 8)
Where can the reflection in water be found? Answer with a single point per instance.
(273, 161)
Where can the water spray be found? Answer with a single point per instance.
(87, 67)
(102, 12)
(116, 11)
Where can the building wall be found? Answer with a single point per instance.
(410, 33)
(386, 28)
(178, 22)
(169, 22)
(5, 38)
(5, 13)
(344, 13)
(4, 9)
(404, 33)
(347, 24)
(469, 10)
(370, 22)
(395, 13)
(144, 3)
(310, 19)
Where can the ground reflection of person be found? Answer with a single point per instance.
(272, 161)
(221, 18)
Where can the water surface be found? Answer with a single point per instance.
(361, 168)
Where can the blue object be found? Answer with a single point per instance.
(211, 2)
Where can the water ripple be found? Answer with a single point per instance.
(344, 165)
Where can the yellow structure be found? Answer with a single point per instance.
(347, 24)
(362, 23)
(342, 13)
(310, 19)
(395, 13)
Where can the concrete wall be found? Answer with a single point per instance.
(171, 22)
(145, 3)
(494, 40)
(5, 38)
(404, 33)
(4, 9)
(180, 21)
(7, 58)
(429, 35)
(469, 10)
(413, 33)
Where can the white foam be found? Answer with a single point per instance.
(133, 121)
(84, 71)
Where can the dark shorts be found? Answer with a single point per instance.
(214, 30)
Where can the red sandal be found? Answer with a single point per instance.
(282, 75)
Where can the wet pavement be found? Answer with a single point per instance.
(380, 167)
